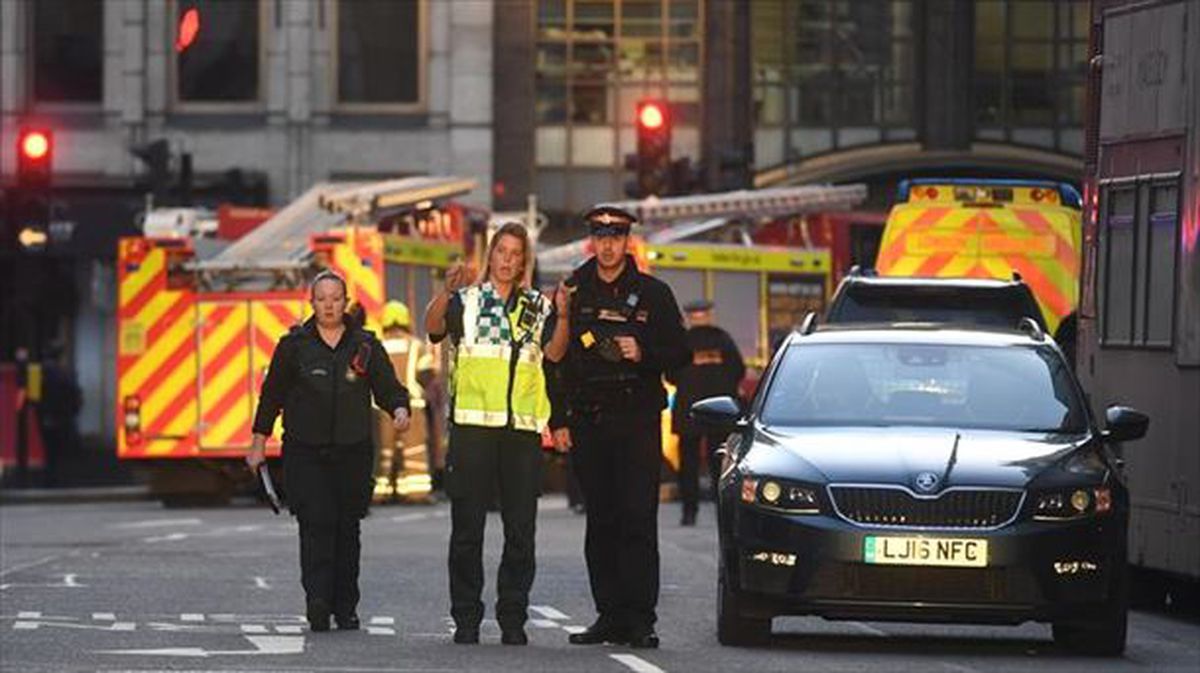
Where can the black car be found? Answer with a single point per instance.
(922, 474)
(865, 298)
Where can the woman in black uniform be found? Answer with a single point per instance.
(322, 376)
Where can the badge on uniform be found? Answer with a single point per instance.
(587, 339)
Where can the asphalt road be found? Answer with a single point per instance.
(135, 587)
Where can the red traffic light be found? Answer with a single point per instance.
(35, 145)
(189, 30)
(652, 115)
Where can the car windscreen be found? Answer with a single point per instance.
(940, 305)
(1020, 388)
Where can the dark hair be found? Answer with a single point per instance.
(327, 274)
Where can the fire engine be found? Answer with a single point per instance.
(198, 318)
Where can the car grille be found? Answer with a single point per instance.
(950, 585)
(897, 507)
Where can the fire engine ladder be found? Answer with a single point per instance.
(681, 217)
(278, 251)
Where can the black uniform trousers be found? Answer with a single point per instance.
(618, 458)
(328, 489)
(479, 460)
(689, 466)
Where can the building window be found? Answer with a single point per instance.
(380, 52)
(1139, 235)
(1031, 72)
(68, 39)
(595, 59)
(830, 74)
(218, 51)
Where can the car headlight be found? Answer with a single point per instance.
(781, 495)
(1074, 503)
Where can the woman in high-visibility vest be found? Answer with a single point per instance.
(501, 330)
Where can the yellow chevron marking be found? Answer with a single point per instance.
(159, 351)
(157, 307)
(133, 283)
(156, 400)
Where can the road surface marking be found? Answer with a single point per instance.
(191, 617)
(636, 663)
(548, 612)
(413, 516)
(166, 538)
(383, 621)
(104, 617)
(29, 615)
(867, 629)
(543, 623)
(289, 628)
(262, 645)
(31, 564)
(571, 628)
(155, 523)
(381, 631)
(254, 628)
(261, 583)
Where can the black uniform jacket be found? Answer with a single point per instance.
(325, 393)
(716, 369)
(634, 304)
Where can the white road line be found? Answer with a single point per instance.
(383, 621)
(29, 615)
(548, 612)
(867, 629)
(289, 628)
(572, 628)
(191, 617)
(959, 668)
(543, 623)
(69, 581)
(165, 538)
(254, 628)
(412, 516)
(155, 523)
(261, 583)
(31, 564)
(637, 664)
(381, 631)
(104, 617)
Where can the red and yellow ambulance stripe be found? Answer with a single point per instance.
(359, 259)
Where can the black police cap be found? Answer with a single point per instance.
(609, 221)
(698, 306)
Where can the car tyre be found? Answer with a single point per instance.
(1104, 636)
(733, 628)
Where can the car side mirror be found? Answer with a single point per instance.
(1125, 424)
(716, 412)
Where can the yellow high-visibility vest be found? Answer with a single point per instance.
(498, 378)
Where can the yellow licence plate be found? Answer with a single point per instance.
(926, 551)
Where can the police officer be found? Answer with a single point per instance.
(625, 332)
(716, 369)
(322, 376)
(501, 330)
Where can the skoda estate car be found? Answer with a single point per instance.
(917, 473)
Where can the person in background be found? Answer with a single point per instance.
(716, 369)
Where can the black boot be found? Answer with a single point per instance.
(466, 635)
(601, 631)
(643, 639)
(348, 622)
(514, 636)
(318, 615)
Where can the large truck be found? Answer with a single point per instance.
(1139, 313)
(198, 320)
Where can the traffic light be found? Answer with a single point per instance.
(31, 198)
(157, 157)
(652, 163)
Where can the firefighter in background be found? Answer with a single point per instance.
(404, 466)
(716, 369)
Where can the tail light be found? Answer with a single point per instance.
(133, 419)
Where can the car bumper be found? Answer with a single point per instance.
(813, 564)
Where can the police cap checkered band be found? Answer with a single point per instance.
(609, 221)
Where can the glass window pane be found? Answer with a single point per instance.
(641, 18)
(684, 61)
(552, 59)
(736, 308)
(770, 106)
(589, 104)
(222, 64)
(551, 104)
(1161, 265)
(551, 145)
(640, 59)
(377, 51)
(1119, 251)
(68, 39)
(1033, 19)
(592, 60)
(594, 20)
(552, 19)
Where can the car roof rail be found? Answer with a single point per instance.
(1031, 327)
(1016, 276)
(862, 271)
(809, 324)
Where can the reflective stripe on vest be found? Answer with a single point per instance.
(483, 363)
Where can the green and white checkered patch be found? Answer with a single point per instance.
(493, 323)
